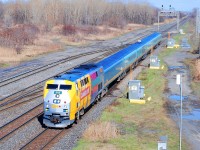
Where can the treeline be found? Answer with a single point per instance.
(50, 13)
(22, 20)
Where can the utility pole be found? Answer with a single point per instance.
(179, 82)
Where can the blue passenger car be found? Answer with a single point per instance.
(117, 64)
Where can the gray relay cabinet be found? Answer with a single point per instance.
(154, 62)
(136, 91)
(170, 43)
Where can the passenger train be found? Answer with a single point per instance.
(67, 96)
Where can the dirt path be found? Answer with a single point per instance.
(191, 103)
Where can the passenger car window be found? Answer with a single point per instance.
(52, 86)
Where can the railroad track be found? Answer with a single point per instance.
(37, 139)
(47, 66)
(15, 103)
(32, 90)
(24, 93)
(43, 68)
(38, 143)
(11, 102)
(50, 65)
(14, 123)
(20, 121)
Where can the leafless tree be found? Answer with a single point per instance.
(76, 12)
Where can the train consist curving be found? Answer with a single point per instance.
(66, 97)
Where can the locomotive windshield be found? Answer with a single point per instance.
(65, 87)
(52, 86)
(62, 87)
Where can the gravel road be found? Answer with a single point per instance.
(191, 125)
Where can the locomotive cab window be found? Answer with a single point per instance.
(86, 80)
(52, 86)
(82, 83)
(76, 86)
(77, 89)
(65, 87)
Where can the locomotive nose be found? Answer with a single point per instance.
(57, 102)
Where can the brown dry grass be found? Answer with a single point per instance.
(101, 131)
(54, 41)
(166, 21)
(44, 44)
(197, 70)
(101, 146)
(106, 33)
(115, 103)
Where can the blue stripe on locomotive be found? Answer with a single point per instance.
(112, 65)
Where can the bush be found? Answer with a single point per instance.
(68, 30)
(197, 70)
(18, 36)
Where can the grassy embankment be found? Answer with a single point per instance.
(194, 68)
(193, 64)
(136, 127)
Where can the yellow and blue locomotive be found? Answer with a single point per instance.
(67, 96)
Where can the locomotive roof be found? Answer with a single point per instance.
(78, 72)
(106, 63)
